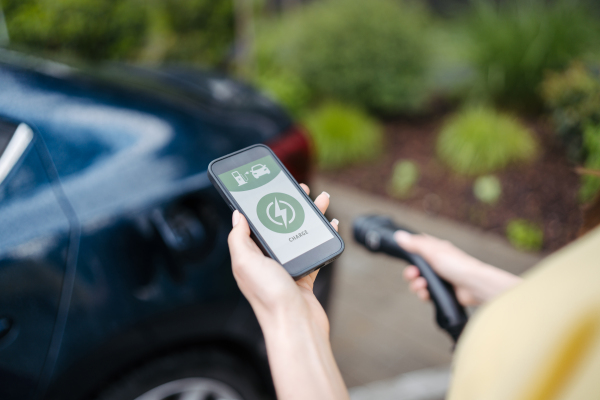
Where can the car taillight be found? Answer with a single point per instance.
(294, 149)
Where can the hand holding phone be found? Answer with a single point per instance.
(265, 283)
(285, 223)
(293, 321)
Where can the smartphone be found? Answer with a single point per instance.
(286, 224)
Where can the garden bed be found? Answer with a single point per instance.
(544, 191)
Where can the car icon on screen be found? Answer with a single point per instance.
(259, 170)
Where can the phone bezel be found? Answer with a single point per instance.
(305, 263)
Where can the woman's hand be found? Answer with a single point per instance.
(474, 281)
(266, 284)
(294, 324)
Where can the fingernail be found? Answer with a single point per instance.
(326, 194)
(335, 221)
(402, 237)
(235, 218)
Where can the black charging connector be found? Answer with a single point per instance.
(376, 233)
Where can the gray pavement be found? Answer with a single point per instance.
(425, 384)
(380, 331)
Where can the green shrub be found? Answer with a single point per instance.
(203, 30)
(373, 54)
(573, 96)
(287, 89)
(404, 177)
(270, 73)
(343, 135)
(479, 140)
(200, 31)
(92, 29)
(525, 235)
(487, 189)
(514, 42)
(590, 185)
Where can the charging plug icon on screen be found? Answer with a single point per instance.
(240, 179)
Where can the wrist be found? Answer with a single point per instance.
(300, 357)
(286, 317)
(488, 282)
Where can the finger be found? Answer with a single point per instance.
(414, 243)
(322, 201)
(308, 282)
(305, 188)
(411, 272)
(405, 240)
(239, 238)
(235, 218)
(335, 223)
(418, 284)
(310, 279)
(423, 294)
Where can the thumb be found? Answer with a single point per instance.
(409, 242)
(425, 246)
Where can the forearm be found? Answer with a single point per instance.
(487, 282)
(301, 360)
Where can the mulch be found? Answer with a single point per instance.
(543, 191)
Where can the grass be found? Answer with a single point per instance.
(480, 140)
(343, 135)
(525, 235)
(404, 177)
(487, 189)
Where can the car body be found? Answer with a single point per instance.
(113, 243)
(259, 170)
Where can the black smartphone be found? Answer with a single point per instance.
(285, 222)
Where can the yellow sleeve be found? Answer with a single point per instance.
(540, 340)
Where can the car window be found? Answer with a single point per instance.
(34, 242)
(6, 132)
(14, 141)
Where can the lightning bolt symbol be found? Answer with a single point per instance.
(280, 213)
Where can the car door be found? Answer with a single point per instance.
(34, 247)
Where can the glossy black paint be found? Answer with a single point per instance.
(32, 266)
(112, 240)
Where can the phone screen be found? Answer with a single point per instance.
(271, 201)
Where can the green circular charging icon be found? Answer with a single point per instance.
(280, 212)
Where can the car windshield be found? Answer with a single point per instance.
(6, 133)
(14, 140)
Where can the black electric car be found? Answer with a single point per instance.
(115, 277)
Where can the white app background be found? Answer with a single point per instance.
(284, 250)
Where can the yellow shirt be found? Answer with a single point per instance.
(540, 340)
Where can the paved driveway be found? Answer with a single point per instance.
(380, 331)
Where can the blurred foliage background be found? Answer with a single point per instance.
(199, 31)
(513, 43)
(370, 54)
(493, 72)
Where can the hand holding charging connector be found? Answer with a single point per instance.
(376, 233)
